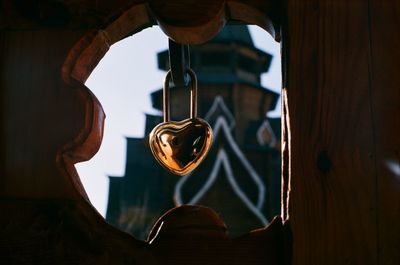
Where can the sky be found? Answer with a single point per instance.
(123, 81)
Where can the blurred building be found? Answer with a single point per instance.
(240, 177)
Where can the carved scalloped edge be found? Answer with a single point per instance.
(186, 219)
(199, 227)
(229, 10)
(78, 65)
(88, 52)
(86, 144)
(90, 49)
(196, 34)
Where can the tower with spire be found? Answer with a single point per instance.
(240, 177)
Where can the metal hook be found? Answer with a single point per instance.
(179, 60)
(193, 94)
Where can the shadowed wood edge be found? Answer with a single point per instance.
(184, 229)
(88, 52)
(86, 144)
(91, 48)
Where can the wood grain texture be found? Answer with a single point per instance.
(342, 98)
(340, 149)
(385, 111)
(185, 21)
(204, 19)
(197, 235)
(50, 231)
(50, 121)
(66, 232)
(40, 113)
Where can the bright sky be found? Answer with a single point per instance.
(122, 82)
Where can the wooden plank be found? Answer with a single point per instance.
(46, 231)
(40, 113)
(385, 108)
(197, 235)
(186, 21)
(50, 120)
(331, 141)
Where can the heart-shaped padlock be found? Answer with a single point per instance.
(181, 146)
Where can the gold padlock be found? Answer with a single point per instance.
(180, 146)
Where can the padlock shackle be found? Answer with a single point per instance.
(193, 94)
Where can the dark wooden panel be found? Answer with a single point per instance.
(48, 231)
(77, 14)
(67, 232)
(192, 12)
(40, 113)
(197, 235)
(186, 21)
(333, 206)
(50, 120)
(385, 108)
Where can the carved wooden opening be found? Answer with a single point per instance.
(180, 231)
(230, 178)
(343, 131)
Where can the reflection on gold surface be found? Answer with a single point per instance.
(181, 146)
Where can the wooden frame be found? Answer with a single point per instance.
(341, 105)
(187, 233)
